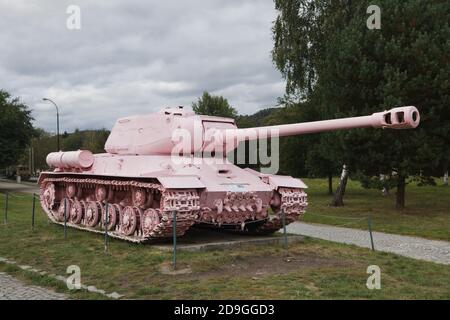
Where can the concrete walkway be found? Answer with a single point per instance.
(412, 247)
(13, 289)
(12, 186)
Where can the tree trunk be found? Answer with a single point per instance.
(338, 199)
(400, 195)
(330, 184)
(446, 178)
(385, 190)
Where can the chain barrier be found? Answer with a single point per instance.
(353, 221)
(8, 196)
(19, 195)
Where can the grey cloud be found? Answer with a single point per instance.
(133, 57)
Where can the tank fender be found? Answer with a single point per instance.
(277, 181)
(181, 182)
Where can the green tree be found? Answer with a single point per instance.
(73, 141)
(348, 70)
(16, 129)
(212, 105)
(42, 144)
(94, 140)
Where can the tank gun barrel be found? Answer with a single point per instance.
(396, 118)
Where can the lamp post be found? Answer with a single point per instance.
(57, 120)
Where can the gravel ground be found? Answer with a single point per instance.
(412, 247)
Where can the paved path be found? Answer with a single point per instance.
(412, 247)
(11, 186)
(13, 289)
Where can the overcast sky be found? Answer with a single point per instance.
(134, 57)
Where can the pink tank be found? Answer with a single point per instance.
(175, 161)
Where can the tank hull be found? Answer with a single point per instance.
(135, 197)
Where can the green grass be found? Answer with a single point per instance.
(427, 212)
(317, 270)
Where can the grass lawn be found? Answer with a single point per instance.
(317, 269)
(427, 212)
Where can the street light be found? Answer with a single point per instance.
(57, 120)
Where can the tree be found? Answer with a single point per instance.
(299, 34)
(322, 159)
(16, 129)
(43, 144)
(299, 38)
(212, 105)
(357, 71)
(94, 140)
(73, 141)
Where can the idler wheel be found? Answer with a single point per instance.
(150, 221)
(139, 197)
(129, 220)
(113, 212)
(101, 193)
(92, 215)
(71, 190)
(49, 196)
(76, 212)
(62, 210)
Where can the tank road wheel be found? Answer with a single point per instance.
(112, 216)
(92, 215)
(76, 212)
(139, 197)
(150, 221)
(101, 193)
(49, 196)
(63, 210)
(129, 220)
(71, 190)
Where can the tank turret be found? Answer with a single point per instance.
(134, 189)
(158, 133)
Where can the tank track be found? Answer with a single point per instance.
(293, 203)
(185, 202)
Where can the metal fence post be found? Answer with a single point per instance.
(106, 226)
(65, 218)
(6, 207)
(369, 222)
(33, 211)
(283, 217)
(174, 240)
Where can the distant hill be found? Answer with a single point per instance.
(255, 120)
